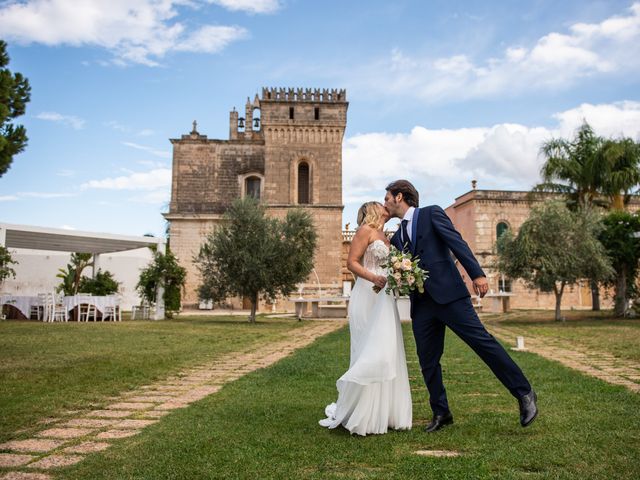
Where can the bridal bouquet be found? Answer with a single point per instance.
(404, 273)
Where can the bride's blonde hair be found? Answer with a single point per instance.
(369, 214)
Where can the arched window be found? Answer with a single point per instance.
(501, 228)
(252, 187)
(304, 189)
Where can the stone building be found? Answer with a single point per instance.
(481, 216)
(287, 151)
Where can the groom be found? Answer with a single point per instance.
(429, 234)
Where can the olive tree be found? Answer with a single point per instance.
(252, 255)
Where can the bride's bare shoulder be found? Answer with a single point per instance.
(364, 234)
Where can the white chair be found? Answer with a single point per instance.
(141, 312)
(56, 311)
(113, 311)
(86, 312)
(48, 304)
(37, 309)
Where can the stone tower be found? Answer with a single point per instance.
(303, 132)
(285, 150)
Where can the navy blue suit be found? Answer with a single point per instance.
(447, 303)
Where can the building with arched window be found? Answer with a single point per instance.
(481, 217)
(285, 151)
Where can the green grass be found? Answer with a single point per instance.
(264, 426)
(48, 369)
(595, 331)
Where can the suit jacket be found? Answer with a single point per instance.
(434, 237)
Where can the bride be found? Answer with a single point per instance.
(374, 394)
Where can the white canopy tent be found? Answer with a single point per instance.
(57, 239)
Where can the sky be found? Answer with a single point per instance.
(439, 92)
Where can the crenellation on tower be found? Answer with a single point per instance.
(279, 94)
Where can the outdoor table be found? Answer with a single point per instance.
(71, 302)
(21, 303)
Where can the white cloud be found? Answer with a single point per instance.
(151, 180)
(115, 125)
(251, 6)
(146, 132)
(69, 120)
(503, 156)
(150, 164)
(65, 173)
(158, 197)
(67, 227)
(554, 61)
(211, 39)
(153, 151)
(141, 32)
(46, 194)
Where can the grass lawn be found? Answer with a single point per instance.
(264, 426)
(598, 331)
(48, 369)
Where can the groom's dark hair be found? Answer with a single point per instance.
(408, 191)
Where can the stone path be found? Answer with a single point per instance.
(597, 364)
(64, 442)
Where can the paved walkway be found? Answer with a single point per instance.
(597, 364)
(64, 442)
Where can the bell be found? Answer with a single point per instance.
(241, 122)
(256, 123)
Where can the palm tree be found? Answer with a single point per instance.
(573, 168)
(621, 173)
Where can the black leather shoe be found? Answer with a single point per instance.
(528, 408)
(439, 421)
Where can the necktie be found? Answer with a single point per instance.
(405, 235)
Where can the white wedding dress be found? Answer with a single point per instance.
(374, 394)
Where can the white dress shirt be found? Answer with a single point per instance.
(409, 217)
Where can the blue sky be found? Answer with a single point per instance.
(440, 92)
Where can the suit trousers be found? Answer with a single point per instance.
(429, 320)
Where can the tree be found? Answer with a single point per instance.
(555, 247)
(5, 264)
(574, 168)
(252, 255)
(15, 93)
(591, 171)
(623, 249)
(72, 276)
(102, 284)
(163, 269)
(621, 167)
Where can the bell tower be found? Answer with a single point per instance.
(303, 131)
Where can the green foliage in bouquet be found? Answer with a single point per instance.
(405, 275)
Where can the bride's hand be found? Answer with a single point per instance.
(380, 281)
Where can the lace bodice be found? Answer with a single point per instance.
(375, 255)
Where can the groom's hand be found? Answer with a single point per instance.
(481, 286)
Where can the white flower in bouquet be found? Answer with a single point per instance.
(404, 273)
